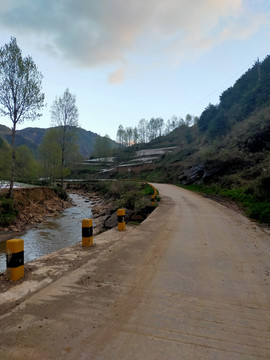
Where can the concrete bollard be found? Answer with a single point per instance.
(121, 219)
(87, 232)
(15, 259)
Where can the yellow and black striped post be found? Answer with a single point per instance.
(87, 232)
(121, 219)
(153, 197)
(15, 259)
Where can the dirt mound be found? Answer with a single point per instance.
(27, 196)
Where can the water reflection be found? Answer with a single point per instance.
(59, 232)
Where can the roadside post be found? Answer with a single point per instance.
(87, 232)
(153, 197)
(15, 259)
(121, 219)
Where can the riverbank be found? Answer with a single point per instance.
(33, 205)
(36, 205)
(101, 207)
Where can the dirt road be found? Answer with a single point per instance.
(191, 282)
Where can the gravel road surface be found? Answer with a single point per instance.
(191, 282)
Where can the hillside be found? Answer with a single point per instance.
(5, 134)
(226, 152)
(32, 137)
(85, 139)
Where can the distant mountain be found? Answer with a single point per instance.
(5, 134)
(33, 134)
(4, 130)
(32, 137)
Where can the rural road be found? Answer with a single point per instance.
(190, 282)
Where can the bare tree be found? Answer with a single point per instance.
(142, 131)
(129, 132)
(64, 115)
(20, 91)
(135, 135)
(120, 135)
(160, 124)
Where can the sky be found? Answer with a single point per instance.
(127, 60)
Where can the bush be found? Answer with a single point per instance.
(7, 211)
(128, 194)
(61, 193)
(260, 212)
(148, 190)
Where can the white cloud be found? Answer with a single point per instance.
(117, 77)
(90, 33)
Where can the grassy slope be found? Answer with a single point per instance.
(236, 166)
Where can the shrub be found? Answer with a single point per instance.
(128, 194)
(147, 189)
(61, 193)
(7, 211)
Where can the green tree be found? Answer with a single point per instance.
(5, 160)
(50, 155)
(210, 112)
(20, 91)
(64, 115)
(188, 120)
(26, 164)
(103, 147)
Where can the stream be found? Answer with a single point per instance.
(53, 234)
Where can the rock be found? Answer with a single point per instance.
(112, 220)
(144, 212)
(212, 172)
(97, 210)
(128, 214)
(137, 218)
(14, 228)
(193, 175)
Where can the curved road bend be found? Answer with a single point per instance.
(191, 282)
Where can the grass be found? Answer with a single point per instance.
(255, 207)
(128, 194)
(147, 189)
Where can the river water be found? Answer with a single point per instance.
(56, 233)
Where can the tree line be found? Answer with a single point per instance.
(148, 130)
(45, 163)
(249, 93)
(21, 98)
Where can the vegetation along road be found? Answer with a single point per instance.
(190, 282)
